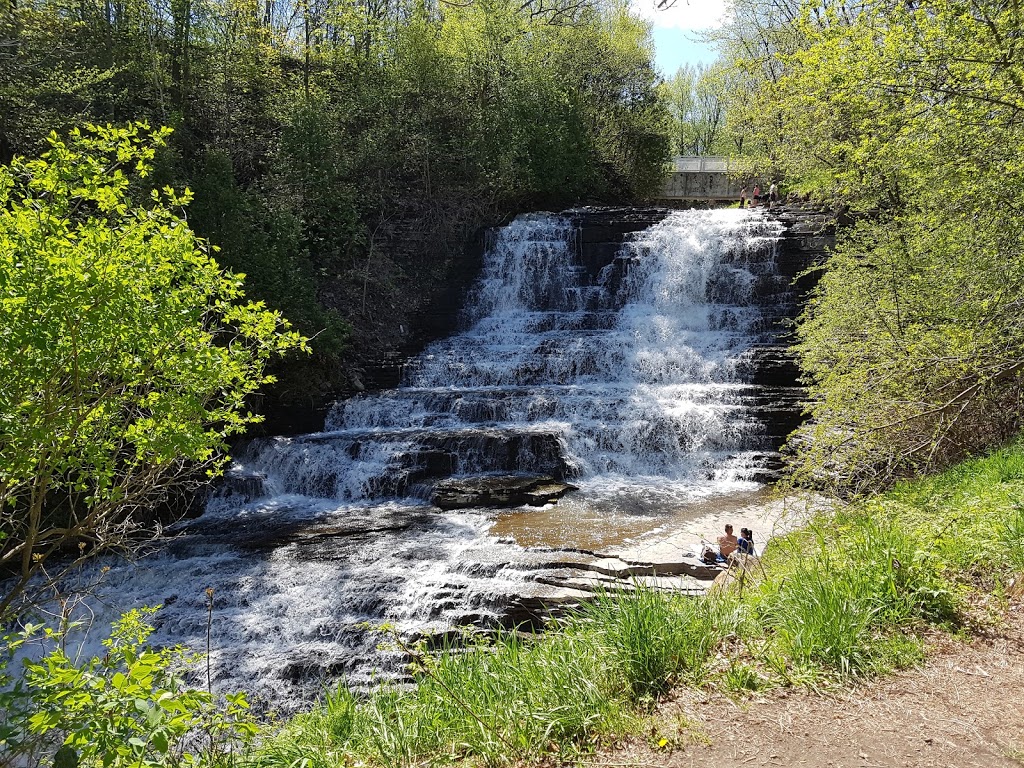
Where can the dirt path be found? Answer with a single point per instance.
(964, 708)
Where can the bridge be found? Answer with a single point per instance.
(701, 178)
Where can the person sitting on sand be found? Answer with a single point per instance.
(727, 544)
(745, 544)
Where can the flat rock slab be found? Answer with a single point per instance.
(498, 491)
(675, 552)
(622, 569)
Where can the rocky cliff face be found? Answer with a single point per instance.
(810, 233)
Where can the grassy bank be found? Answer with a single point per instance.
(853, 594)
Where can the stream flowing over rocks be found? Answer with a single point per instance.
(618, 375)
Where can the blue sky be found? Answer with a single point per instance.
(675, 47)
(674, 31)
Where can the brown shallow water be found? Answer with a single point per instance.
(582, 522)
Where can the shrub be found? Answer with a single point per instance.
(129, 707)
(126, 354)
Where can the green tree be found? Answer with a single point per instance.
(909, 114)
(696, 101)
(126, 353)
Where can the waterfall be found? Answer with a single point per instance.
(626, 379)
(627, 376)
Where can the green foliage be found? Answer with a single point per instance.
(696, 99)
(656, 640)
(819, 620)
(266, 244)
(130, 707)
(842, 589)
(497, 702)
(342, 155)
(909, 115)
(968, 514)
(740, 676)
(1011, 537)
(126, 352)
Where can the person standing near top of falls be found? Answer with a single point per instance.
(743, 198)
(773, 194)
(728, 543)
(757, 196)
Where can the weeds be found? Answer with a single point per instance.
(740, 676)
(653, 639)
(1011, 537)
(509, 699)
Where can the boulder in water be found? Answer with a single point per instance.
(498, 491)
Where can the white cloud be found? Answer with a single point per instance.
(684, 14)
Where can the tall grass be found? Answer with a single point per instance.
(506, 700)
(816, 619)
(843, 597)
(967, 514)
(1011, 537)
(653, 639)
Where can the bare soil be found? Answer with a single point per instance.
(963, 708)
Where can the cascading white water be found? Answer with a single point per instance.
(628, 383)
(636, 374)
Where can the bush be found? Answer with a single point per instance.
(129, 707)
(127, 354)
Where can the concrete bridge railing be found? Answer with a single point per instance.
(701, 178)
(700, 164)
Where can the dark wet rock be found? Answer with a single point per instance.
(428, 463)
(498, 491)
(602, 232)
(243, 485)
(546, 493)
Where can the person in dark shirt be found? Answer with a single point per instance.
(745, 543)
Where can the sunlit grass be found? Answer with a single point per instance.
(850, 595)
